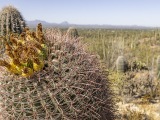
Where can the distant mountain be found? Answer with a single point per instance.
(65, 24)
(35, 22)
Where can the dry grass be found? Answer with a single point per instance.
(131, 111)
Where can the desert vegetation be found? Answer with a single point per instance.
(77, 74)
(131, 58)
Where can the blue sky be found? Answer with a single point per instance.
(114, 12)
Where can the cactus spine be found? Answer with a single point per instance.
(121, 65)
(11, 20)
(70, 87)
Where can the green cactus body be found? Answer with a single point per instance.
(72, 33)
(11, 20)
(70, 87)
(121, 65)
(158, 67)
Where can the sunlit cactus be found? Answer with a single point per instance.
(26, 53)
(72, 86)
(11, 20)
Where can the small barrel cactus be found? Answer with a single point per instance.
(72, 33)
(121, 64)
(11, 20)
(71, 86)
(158, 67)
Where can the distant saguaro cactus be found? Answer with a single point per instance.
(11, 20)
(72, 33)
(121, 64)
(158, 66)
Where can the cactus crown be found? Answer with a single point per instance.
(11, 20)
(26, 52)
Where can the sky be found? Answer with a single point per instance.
(110, 12)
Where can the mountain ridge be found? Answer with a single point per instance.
(65, 24)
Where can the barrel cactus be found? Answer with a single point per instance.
(121, 64)
(72, 33)
(70, 86)
(11, 20)
(158, 67)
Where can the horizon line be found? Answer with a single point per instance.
(94, 23)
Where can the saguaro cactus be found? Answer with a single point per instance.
(158, 66)
(11, 20)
